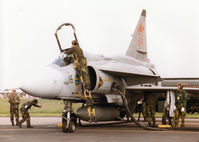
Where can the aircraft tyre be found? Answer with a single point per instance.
(71, 126)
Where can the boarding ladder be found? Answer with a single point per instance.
(81, 92)
(84, 94)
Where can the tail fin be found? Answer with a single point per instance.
(138, 45)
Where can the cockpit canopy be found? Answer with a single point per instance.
(63, 60)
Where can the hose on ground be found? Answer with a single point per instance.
(132, 117)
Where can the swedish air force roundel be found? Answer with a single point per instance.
(77, 80)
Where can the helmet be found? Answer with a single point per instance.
(35, 101)
(74, 42)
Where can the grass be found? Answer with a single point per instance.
(55, 108)
(49, 107)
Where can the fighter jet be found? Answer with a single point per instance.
(109, 76)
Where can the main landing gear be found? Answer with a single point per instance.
(69, 118)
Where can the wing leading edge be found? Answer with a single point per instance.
(158, 88)
(132, 74)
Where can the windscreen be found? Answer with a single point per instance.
(63, 60)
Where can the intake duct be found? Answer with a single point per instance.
(101, 82)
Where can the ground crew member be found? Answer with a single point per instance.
(75, 49)
(151, 100)
(143, 110)
(14, 107)
(180, 103)
(25, 114)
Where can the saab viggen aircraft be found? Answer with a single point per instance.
(110, 77)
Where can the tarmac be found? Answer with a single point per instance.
(46, 130)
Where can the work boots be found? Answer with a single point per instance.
(154, 122)
(149, 124)
(13, 123)
(29, 126)
(20, 126)
(17, 121)
(149, 121)
(176, 124)
(182, 124)
(145, 119)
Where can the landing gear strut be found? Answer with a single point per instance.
(69, 118)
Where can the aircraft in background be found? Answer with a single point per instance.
(111, 78)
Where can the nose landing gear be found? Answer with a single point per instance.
(69, 118)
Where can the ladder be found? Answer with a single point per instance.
(85, 93)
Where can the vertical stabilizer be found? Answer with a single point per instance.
(138, 45)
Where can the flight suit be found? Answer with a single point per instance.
(14, 101)
(151, 108)
(25, 114)
(181, 101)
(82, 64)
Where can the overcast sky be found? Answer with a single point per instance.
(27, 30)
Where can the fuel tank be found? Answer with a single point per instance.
(102, 113)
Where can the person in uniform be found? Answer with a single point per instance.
(25, 114)
(76, 50)
(14, 101)
(151, 100)
(180, 103)
(142, 109)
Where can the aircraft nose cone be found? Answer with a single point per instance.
(45, 82)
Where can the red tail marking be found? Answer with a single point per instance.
(140, 35)
(140, 30)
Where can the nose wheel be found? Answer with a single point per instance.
(68, 126)
(69, 118)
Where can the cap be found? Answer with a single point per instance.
(35, 101)
(74, 42)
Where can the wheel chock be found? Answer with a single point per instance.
(164, 126)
